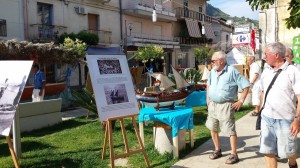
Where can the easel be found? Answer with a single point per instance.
(12, 152)
(108, 135)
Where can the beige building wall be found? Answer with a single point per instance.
(12, 12)
(273, 30)
(65, 15)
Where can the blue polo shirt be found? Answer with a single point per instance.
(224, 87)
(39, 77)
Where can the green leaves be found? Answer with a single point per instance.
(294, 6)
(85, 100)
(148, 53)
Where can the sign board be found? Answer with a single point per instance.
(112, 85)
(240, 40)
(242, 29)
(13, 77)
(296, 46)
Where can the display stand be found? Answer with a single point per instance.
(109, 135)
(12, 152)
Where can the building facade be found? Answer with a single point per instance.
(272, 25)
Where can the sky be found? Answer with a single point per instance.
(237, 8)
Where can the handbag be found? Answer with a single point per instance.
(258, 120)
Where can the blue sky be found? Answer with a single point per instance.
(237, 8)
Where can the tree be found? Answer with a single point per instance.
(151, 52)
(292, 22)
(75, 49)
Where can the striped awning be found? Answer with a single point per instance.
(193, 28)
(209, 33)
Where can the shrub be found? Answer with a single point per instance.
(88, 38)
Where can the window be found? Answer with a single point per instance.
(200, 8)
(45, 20)
(3, 31)
(182, 60)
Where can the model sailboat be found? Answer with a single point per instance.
(162, 94)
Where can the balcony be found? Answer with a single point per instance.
(104, 36)
(182, 13)
(144, 9)
(147, 39)
(45, 33)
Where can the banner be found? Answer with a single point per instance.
(240, 40)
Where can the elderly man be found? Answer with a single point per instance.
(280, 116)
(222, 88)
(254, 77)
(289, 55)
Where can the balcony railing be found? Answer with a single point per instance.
(187, 13)
(45, 33)
(146, 5)
(169, 42)
(104, 36)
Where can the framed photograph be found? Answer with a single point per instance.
(112, 85)
(13, 77)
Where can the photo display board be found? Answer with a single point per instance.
(112, 85)
(13, 77)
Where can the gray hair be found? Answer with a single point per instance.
(277, 48)
(291, 52)
(220, 55)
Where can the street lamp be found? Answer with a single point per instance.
(124, 41)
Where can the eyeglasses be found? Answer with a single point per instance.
(213, 61)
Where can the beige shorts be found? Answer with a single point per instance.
(221, 115)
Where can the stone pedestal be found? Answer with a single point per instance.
(163, 141)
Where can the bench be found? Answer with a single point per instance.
(36, 115)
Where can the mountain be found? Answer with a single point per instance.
(216, 12)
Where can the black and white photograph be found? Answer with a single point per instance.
(109, 66)
(115, 94)
(12, 83)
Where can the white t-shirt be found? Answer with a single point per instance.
(254, 69)
(281, 99)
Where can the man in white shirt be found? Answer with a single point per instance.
(254, 78)
(289, 55)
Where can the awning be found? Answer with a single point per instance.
(209, 33)
(103, 51)
(193, 28)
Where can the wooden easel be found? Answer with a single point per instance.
(12, 152)
(108, 135)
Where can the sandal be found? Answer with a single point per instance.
(232, 159)
(215, 155)
(254, 113)
(293, 166)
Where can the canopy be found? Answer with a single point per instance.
(235, 57)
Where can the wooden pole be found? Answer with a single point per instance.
(105, 140)
(12, 152)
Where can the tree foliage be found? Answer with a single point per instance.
(151, 52)
(294, 6)
(203, 54)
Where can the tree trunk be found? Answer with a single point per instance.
(79, 73)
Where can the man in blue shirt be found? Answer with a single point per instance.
(39, 84)
(222, 88)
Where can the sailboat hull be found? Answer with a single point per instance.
(163, 99)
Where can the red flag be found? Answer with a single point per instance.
(252, 43)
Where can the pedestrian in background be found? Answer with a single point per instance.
(222, 88)
(39, 84)
(279, 116)
(289, 55)
(254, 78)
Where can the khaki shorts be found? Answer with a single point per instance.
(221, 115)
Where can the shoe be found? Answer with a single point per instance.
(254, 113)
(293, 166)
(216, 154)
(232, 159)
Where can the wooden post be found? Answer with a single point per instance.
(12, 152)
(109, 135)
